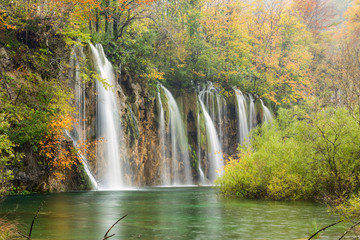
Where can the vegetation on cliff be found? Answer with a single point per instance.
(34, 96)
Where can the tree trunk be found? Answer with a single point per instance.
(97, 20)
(107, 4)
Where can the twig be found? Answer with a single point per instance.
(324, 228)
(32, 223)
(106, 234)
(349, 230)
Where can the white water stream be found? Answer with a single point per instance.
(242, 118)
(180, 160)
(215, 153)
(108, 123)
(267, 114)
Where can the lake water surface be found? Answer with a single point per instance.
(166, 213)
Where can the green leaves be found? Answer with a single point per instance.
(8, 156)
(299, 156)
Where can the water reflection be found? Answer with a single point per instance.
(166, 213)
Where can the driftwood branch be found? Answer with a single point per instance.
(324, 228)
(32, 223)
(351, 228)
(106, 234)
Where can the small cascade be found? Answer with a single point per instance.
(180, 160)
(215, 152)
(108, 124)
(84, 162)
(252, 113)
(78, 134)
(242, 118)
(79, 131)
(134, 120)
(202, 179)
(164, 170)
(216, 107)
(267, 114)
(221, 112)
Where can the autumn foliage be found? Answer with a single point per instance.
(58, 152)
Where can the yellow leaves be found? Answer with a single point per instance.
(199, 74)
(59, 175)
(272, 97)
(54, 148)
(153, 75)
(353, 23)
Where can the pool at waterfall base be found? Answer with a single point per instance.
(166, 213)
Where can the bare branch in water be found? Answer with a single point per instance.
(324, 228)
(106, 234)
(351, 228)
(32, 223)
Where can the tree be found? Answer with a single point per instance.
(316, 14)
(281, 56)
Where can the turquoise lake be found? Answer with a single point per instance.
(166, 213)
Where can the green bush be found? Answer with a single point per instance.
(298, 156)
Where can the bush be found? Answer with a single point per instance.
(298, 156)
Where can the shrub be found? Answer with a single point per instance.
(298, 156)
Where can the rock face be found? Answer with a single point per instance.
(5, 62)
(139, 110)
(143, 159)
(139, 106)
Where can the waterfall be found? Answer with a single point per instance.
(173, 154)
(242, 119)
(179, 143)
(79, 129)
(267, 114)
(134, 120)
(78, 133)
(216, 107)
(84, 161)
(108, 123)
(252, 113)
(214, 147)
(202, 179)
(164, 167)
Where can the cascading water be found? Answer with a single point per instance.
(134, 120)
(202, 179)
(84, 162)
(79, 96)
(78, 134)
(242, 118)
(216, 107)
(213, 128)
(164, 170)
(214, 147)
(179, 143)
(267, 114)
(252, 113)
(108, 123)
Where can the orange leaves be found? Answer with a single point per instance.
(316, 14)
(4, 21)
(353, 23)
(80, 11)
(59, 153)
